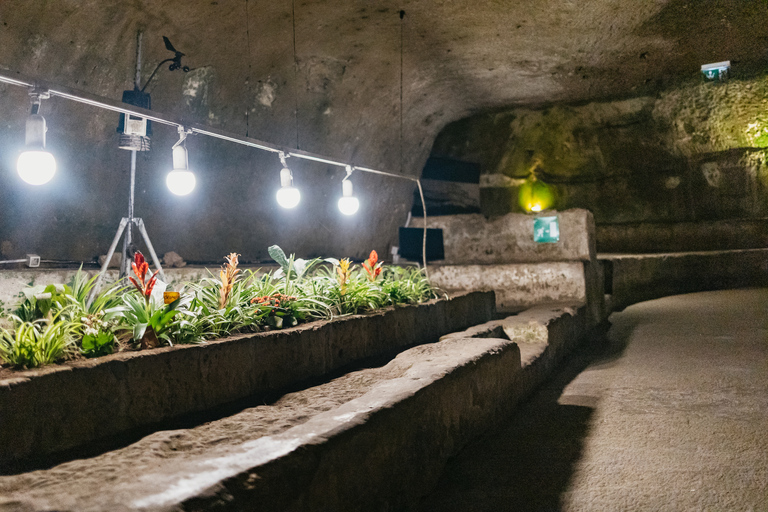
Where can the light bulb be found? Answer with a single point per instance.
(36, 167)
(348, 203)
(534, 207)
(181, 182)
(288, 197)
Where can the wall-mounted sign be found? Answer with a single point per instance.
(546, 230)
(717, 71)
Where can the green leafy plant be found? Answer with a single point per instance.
(42, 302)
(149, 323)
(407, 285)
(222, 305)
(33, 344)
(100, 344)
(292, 269)
(349, 290)
(50, 317)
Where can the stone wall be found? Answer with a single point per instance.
(500, 254)
(694, 153)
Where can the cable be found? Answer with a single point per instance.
(150, 115)
(295, 74)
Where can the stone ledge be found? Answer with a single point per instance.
(380, 451)
(473, 239)
(60, 407)
(517, 285)
(641, 277)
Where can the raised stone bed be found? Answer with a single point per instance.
(372, 439)
(65, 406)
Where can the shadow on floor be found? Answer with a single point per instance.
(528, 462)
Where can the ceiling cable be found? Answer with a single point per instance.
(50, 89)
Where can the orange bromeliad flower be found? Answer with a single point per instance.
(343, 272)
(373, 266)
(140, 268)
(228, 275)
(273, 300)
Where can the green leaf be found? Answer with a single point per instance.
(138, 331)
(278, 255)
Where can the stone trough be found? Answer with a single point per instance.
(378, 448)
(61, 407)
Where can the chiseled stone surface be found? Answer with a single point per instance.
(474, 239)
(338, 95)
(639, 277)
(64, 406)
(517, 285)
(168, 468)
(368, 440)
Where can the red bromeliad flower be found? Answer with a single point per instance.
(140, 268)
(372, 267)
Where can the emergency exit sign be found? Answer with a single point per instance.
(546, 230)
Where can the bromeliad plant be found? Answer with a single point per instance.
(55, 322)
(148, 320)
(140, 269)
(220, 306)
(372, 267)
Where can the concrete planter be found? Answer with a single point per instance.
(65, 406)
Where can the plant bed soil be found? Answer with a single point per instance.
(60, 407)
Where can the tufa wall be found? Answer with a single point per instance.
(694, 154)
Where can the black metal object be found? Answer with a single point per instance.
(136, 98)
(411, 244)
(448, 169)
(175, 62)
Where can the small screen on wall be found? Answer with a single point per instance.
(546, 230)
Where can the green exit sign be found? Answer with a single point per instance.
(546, 230)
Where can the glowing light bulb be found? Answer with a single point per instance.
(180, 181)
(348, 203)
(36, 167)
(535, 195)
(288, 196)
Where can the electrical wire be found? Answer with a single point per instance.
(150, 115)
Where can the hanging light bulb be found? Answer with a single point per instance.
(348, 203)
(181, 181)
(288, 196)
(35, 165)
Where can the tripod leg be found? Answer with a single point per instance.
(140, 224)
(110, 253)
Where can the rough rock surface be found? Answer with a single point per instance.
(339, 94)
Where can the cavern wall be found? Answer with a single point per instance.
(683, 170)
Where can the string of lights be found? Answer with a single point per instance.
(38, 166)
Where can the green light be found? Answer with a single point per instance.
(535, 195)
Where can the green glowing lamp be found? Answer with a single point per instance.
(535, 195)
